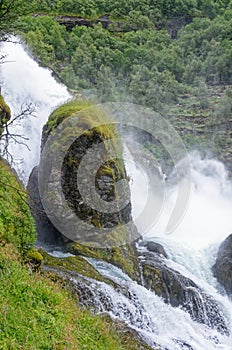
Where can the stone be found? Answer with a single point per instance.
(222, 269)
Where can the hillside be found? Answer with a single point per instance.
(174, 57)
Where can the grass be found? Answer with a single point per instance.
(16, 223)
(37, 313)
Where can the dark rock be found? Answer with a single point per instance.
(180, 291)
(46, 232)
(72, 21)
(155, 248)
(223, 267)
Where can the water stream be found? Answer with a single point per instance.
(24, 82)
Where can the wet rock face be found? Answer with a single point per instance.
(180, 291)
(46, 232)
(223, 267)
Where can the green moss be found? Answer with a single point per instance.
(129, 337)
(5, 113)
(16, 223)
(34, 258)
(124, 257)
(153, 279)
(73, 263)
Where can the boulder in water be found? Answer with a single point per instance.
(181, 291)
(223, 267)
(156, 248)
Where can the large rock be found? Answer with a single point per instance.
(180, 291)
(72, 131)
(223, 266)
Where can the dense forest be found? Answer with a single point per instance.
(174, 57)
(149, 52)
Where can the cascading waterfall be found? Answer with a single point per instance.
(157, 322)
(23, 82)
(191, 247)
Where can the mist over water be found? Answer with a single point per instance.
(207, 218)
(23, 82)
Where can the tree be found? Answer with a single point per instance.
(11, 12)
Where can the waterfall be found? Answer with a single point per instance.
(191, 247)
(142, 310)
(23, 82)
(207, 219)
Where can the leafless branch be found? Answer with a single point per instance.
(8, 137)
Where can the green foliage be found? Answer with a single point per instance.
(39, 314)
(11, 13)
(154, 10)
(138, 64)
(16, 223)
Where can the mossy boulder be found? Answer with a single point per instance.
(75, 264)
(34, 259)
(73, 130)
(130, 338)
(5, 114)
(16, 222)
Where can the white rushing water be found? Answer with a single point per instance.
(207, 218)
(23, 82)
(157, 322)
(191, 247)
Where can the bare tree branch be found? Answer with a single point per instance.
(8, 137)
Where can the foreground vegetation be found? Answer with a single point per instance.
(36, 310)
(37, 313)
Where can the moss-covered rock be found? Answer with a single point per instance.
(76, 264)
(34, 258)
(124, 257)
(129, 337)
(16, 222)
(5, 114)
(71, 131)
